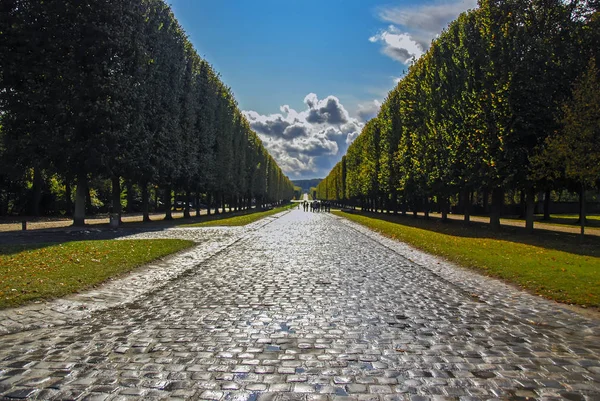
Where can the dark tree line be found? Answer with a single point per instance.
(114, 90)
(506, 100)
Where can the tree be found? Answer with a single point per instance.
(577, 145)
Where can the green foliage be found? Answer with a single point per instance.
(474, 112)
(116, 89)
(578, 144)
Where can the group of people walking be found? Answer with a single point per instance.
(317, 206)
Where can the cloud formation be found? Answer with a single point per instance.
(367, 111)
(420, 25)
(398, 45)
(308, 143)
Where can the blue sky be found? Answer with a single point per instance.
(309, 73)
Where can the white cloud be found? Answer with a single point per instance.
(420, 25)
(307, 143)
(428, 19)
(367, 111)
(398, 45)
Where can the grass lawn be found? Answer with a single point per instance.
(555, 265)
(32, 272)
(572, 219)
(237, 219)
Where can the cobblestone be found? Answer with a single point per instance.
(125, 290)
(305, 307)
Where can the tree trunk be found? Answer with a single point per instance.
(81, 194)
(547, 205)
(485, 197)
(129, 189)
(88, 199)
(197, 203)
(116, 196)
(529, 208)
(582, 210)
(444, 207)
(3, 202)
(145, 202)
(186, 208)
(208, 203)
(497, 204)
(426, 208)
(168, 213)
(68, 200)
(523, 204)
(38, 182)
(217, 202)
(466, 195)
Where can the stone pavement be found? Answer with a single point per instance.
(312, 307)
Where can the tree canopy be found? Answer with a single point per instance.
(477, 110)
(114, 89)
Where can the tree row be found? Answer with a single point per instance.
(506, 100)
(113, 89)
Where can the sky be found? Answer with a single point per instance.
(308, 74)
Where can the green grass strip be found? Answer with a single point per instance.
(539, 264)
(34, 272)
(239, 219)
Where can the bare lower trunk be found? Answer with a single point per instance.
(547, 205)
(582, 210)
(444, 207)
(197, 199)
(467, 205)
(186, 209)
(145, 202)
(116, 196)
(529, 208)
(68, 200)
(168, 213)
(497, 204)
(129, 189)
(38, 182)
(523, 205)
(80, 200)
(485, 200)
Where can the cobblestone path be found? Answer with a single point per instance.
(312, 307)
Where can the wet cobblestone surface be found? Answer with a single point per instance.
(312, 307)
